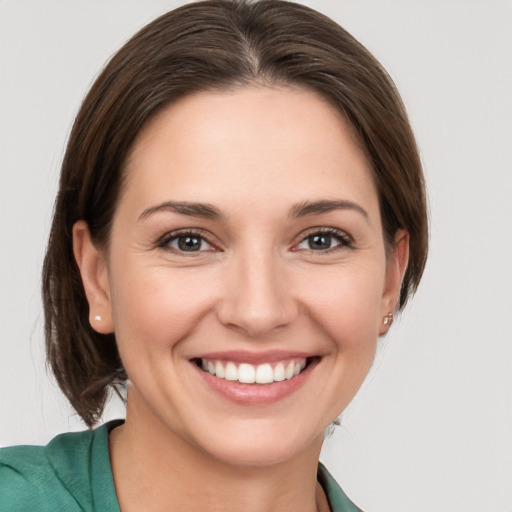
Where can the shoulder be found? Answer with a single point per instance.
(35, 477)
(58, 476)
(338, 500)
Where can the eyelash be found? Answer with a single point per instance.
(164, 242)
(345, 241)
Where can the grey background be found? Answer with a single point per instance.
(431, 428)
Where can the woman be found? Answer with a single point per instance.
(241, 212)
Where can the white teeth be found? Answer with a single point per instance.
(288, 373)
(279, 372)
(219, 370)
(246, 373)
(231, 372)
(264, 374)
(249, 374)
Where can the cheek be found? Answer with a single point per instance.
(154, 310)
(348, 306)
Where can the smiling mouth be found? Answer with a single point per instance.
(246, 373)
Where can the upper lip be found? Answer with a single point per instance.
(244, 356)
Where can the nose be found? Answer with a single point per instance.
(257, 298)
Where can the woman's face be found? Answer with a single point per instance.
(247, 241)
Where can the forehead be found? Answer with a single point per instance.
(248, 143)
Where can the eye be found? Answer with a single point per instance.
(324, 240)
(186, 242)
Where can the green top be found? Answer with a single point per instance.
(73, 473)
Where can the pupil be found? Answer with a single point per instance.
(189, 243)
(320, 242)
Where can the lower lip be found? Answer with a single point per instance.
(256, 394)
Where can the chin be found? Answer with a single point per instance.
(261, 444)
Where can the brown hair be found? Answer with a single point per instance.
(201, 46)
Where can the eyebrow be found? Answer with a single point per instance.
(317, 207)
(204, 210)
(208, 211)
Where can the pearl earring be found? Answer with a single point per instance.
(98, 318)
(388, 319)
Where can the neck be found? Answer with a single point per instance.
(156, 469)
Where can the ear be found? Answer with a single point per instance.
(94, 272)
(395, 270)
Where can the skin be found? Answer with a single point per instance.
(257, 284)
